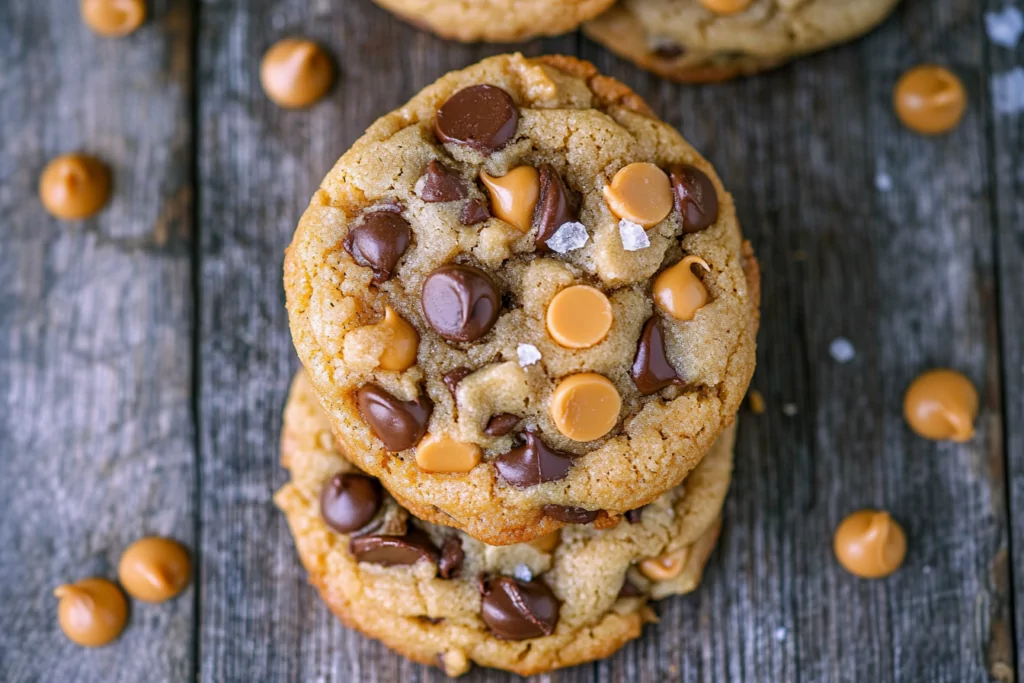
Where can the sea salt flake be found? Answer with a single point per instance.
(523, 573)
(634, 237)
(780, 634)
(528, 354)
(1008, 91)
(789, 409)
(883, 181)
(841, 349)
(1005, 28)
(569, 236)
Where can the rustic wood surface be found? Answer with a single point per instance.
(145, 355)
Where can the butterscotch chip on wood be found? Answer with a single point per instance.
(427, 590)
(540, 341)
(930, 99)
(941, 405)
(74, 186)
(113, 18)
(92, 612)
(296, 73)
(154, 569)
(870, 544)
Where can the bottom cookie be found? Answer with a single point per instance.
(440, 597)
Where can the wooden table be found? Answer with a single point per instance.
(145, 354)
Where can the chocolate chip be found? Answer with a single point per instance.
(441, 184)
(399, 424)
(570, 515)
(483, 117)
(378, 241)
(533, 463)
(630, 590)
(349, 500)
(452, 557)
(501, 424)
(461, 303)
(452, 378)
(475, 211)
(394, 550)
(554, 208)
(695, 197)
(634, 516)
(517, 610)
(651, 370)
(669, 51)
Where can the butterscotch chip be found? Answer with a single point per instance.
(665, 567)
(585, 407)
(579, 317)
(679, 292)
(514, 195)
(74, 186)
(154, 569)
(439, 453)
(547, 543)
(92, 612)
(941, 405)
(640, 192)
(400, 351)
(296, 73)
(870, 544)
(113, 18)
(726, 6)
(755, 399)
(930, 99)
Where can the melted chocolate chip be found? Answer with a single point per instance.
(669, 51)
(517, 610)
(349, 500)
(630, 589)
(461, 303)
(634, 516)
(570, 515)
(651, 370)
(483, 117)
(501, 424)
(475, 211)
(394, 550)
(378, 241)
(441, 184)
(452, 557)
(695, 197)
(399, 424)
(452, 378)
(533, 463)
(554, 208)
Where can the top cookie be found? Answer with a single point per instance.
(714, 40)
(496, 21)
(471, 291)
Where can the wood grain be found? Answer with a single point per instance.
(1006, 206)
(95, 335)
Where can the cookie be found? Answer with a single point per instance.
(524, 301)
(496, 21)
(440, 597)
(715, 40)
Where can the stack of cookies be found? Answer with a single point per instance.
(527, 318)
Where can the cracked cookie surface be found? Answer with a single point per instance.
(435, 285)
(496, 20)
(420, 591)
(684, 40)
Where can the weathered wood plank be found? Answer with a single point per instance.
(95, 348)
(1005, 84)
